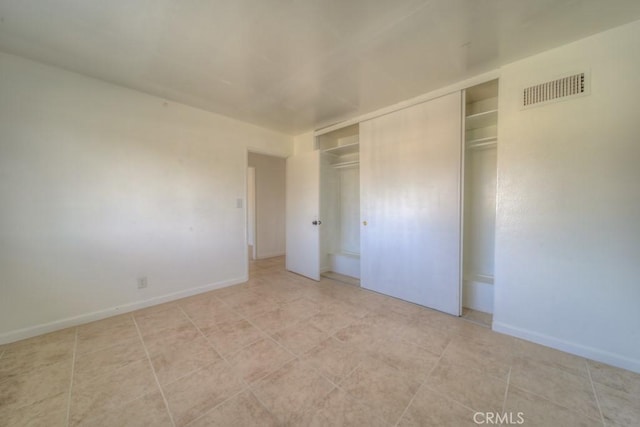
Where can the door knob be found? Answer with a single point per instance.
(364, 223)
(316, 222)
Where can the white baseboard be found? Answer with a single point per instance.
(32, 331)
(270, 255)
(570, 347)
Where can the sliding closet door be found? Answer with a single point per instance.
(410, 197)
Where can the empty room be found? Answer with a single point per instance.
(319, 213)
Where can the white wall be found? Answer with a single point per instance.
(568, 203)
(270, 204)
(304, 143)
(100, 185)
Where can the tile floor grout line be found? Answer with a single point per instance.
(421, 385)
(447, 397)
(266, 408)
(338, 384)
(257, 380)
(319, 372)
(250, 384)
(553, 402)
(224, 358)
(313, 406)
(269, 336)
(173, 380)
(595, 394)
(295, 357)
(436, 391)
(247, 385)
(412, 399)
(235, 311)
(233, 353)
(253, 392)
(73, 365)
(506, 391)
(203, 335)
(153, 371)
(440, 393)
(361, 403)
(216, 406)
(478, 369)
(255, 395)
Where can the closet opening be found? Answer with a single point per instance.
(340, 204)
(479, 212)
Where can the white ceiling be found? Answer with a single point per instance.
(295, 65)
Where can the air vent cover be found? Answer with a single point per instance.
(556, 90)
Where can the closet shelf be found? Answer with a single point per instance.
(343, 149)
(348, 254)
(348, 164)
(484, 278)
(487, 142)
(481, 120)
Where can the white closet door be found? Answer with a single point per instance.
(410, 164)
(303, 205)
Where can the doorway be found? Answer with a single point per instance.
(266, 180)
(251, 212)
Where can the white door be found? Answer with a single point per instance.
(410, 164)
(303, 206)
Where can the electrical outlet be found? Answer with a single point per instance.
(142, 282)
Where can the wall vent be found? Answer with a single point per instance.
(556, 90)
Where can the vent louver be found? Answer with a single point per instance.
(560, 89)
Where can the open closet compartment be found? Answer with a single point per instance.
(480, 179)
(340, 201)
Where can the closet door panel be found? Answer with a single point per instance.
(303, 206)
(410, 196)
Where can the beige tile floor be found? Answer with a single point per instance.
(283, 350)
